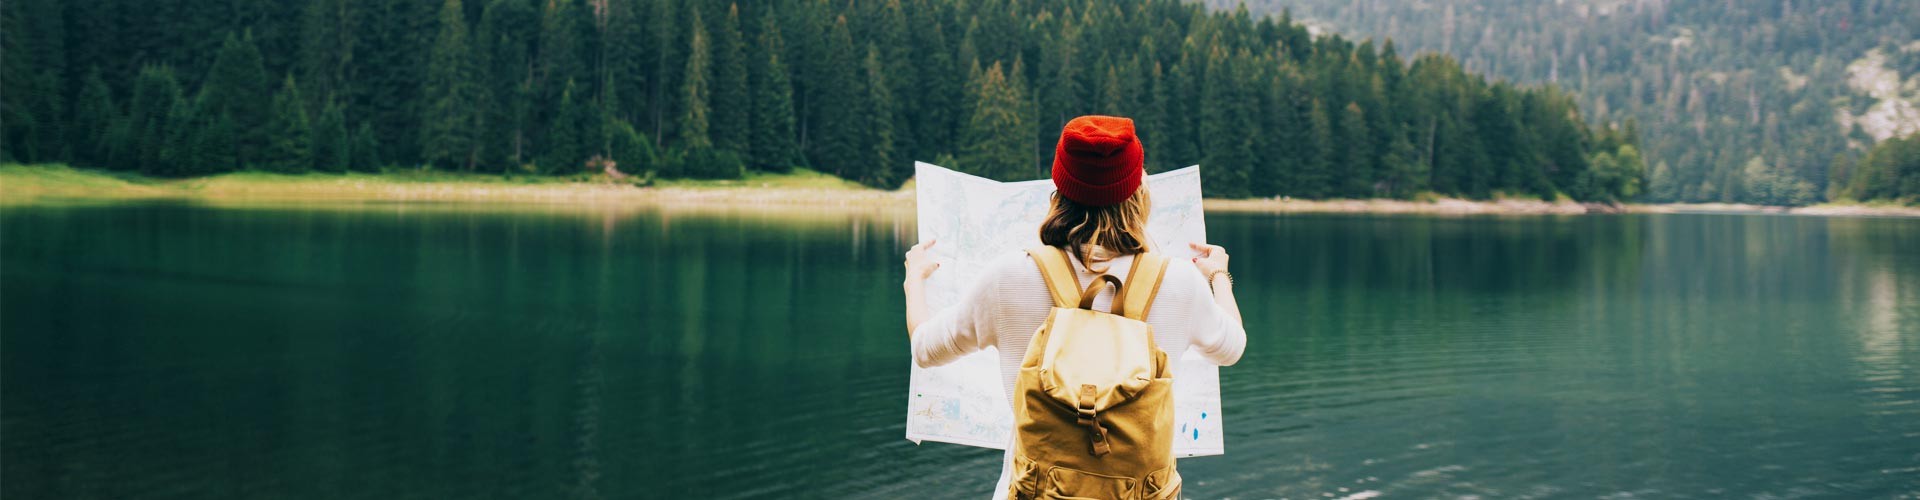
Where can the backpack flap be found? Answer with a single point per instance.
(1094, 361)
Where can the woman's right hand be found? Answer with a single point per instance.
(920, 262)
(1209, 258)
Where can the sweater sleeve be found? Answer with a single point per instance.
(958, 329)
(1216, 336)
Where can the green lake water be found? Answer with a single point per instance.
(459, 351)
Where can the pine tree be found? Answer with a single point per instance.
(1402, 172)
(805, 33)
(664, 64)
(327, 44)
(1355, 147)
(595, 121)
(364, 150)
(42, 42)
(1500, 136)
(290, 146)
(561, 55)
(968, 56)
(213, 142)
(177, 153)
(593, 118)
(1315, 179)
(566, 139)
(94, 42)
(1225, 127)
(1839, 171)
(32, 94)
(1059, 95)
(1112, 98)
(1383, 127)
(996, 142)
(939, 110)
(121, 144)
(1631, 177)
(903, 78)
(772, 146)
(237, 87)
(332, 147)
(206, 141)
(278, 30)
(695, 93)
(877, 166)
(453, 117)
(155, 92)
(838, 128)
(624, 46)
(1260, 85)
(1029, 110)
(94, 114)
(20, 127)
(1155, 123)
(729, 109)
(1177, 141)
(389, 64)
(1563, 142)
(505, 36)
(1457, 156)
(31, 126)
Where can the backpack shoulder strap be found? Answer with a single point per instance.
(1143, 283)
(1058, 274)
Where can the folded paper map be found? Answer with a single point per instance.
(977, 220)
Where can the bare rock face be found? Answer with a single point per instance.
(1892, 113)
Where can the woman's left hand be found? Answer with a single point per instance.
(920, 262)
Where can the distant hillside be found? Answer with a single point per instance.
(1736, 100)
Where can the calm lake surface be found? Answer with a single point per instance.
(451, 351)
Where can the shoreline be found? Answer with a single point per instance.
(37, 184)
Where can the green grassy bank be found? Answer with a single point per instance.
(41, 183)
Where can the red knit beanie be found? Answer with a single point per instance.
(1098, 162)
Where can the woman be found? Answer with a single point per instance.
(1098, 218)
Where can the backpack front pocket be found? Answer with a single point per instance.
(1064, 483)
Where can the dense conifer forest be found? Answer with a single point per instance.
(1738, 101)
(712, 89)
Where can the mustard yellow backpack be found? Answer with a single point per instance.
(1093, 404)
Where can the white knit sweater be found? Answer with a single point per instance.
(1010, 301)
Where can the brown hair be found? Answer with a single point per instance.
(1119, 229)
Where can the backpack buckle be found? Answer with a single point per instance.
(1090, 419)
